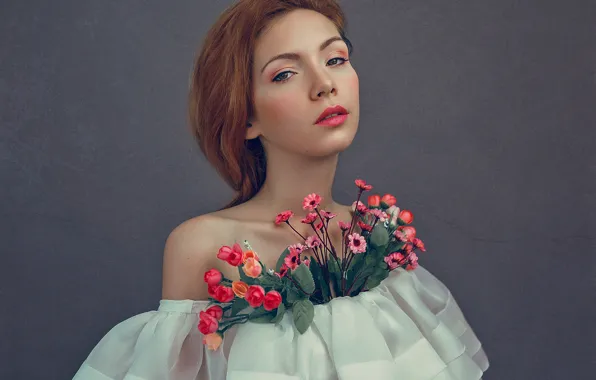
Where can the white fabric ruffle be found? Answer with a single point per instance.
(408, 327)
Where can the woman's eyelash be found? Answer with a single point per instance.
(344, 60)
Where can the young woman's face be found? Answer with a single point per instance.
(289, 95)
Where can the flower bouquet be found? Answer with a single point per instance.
(385, 241)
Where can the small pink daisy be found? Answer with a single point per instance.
(312, 241)
(394, 260)
(297, 247)
(283, 217)
(311, 201)
(310, 218)
(382, 215)
(357, 243)
(292, 260)
(328, 215)
(413, 262)
(362, 185)
(343, 225)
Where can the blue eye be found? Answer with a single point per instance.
(344, 60)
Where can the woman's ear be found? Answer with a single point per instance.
(252, 131)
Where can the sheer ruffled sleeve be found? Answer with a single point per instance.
(164, 344)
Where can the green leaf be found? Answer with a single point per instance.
(332, 266)
(304, 312)
(238, 305)
(280, 260)
(293, 295)
(320, 283)
(281, 309)
(304, 278)
(260, 315)
(265, 318)
(379, 235)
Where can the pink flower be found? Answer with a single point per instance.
(212, 341)
(255, 295)
(362, 185)
(252, 268)
(344, 226)
(406, 216)
(357, 243)
(208, 324)
(360, 207)
(292, 259)
(328, 215)
(310, 218)
(283, 217)
(311, 201)
(283, 270)
(212, 277)
(413, 262)
(233, 255)
(298, 247)
(409, 232)
(312, 241)
(318, 226)
(272, 300)
(399, 235)
(306, 261)
(382, 215)
(215, 311)
(394, 260)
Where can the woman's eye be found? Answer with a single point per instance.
(284, 79)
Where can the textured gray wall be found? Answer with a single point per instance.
(489, 108)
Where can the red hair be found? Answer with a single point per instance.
(220, 93)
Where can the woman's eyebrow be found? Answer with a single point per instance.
(296, 56)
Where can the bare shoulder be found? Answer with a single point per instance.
(188, 253)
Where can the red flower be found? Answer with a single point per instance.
(272, 300)
(208, 324)
(406, 216)
(211, 289)
(419, 244)
(215, 311)
(311, 201)
(318, 226)
(364, 226)
(388, 200)
(212, 277)
(255, 295)
(223, 294)
(232, 256)
(374, 200)
(283, 217)
(362, 185)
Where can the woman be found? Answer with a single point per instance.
(257, 116)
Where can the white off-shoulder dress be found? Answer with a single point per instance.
(409, 328)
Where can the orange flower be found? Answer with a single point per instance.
(239, 288)
(252, 268)
(213, 341)
(249, 254)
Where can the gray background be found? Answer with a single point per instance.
(487, 108)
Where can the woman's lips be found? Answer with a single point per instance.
(333, 121)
